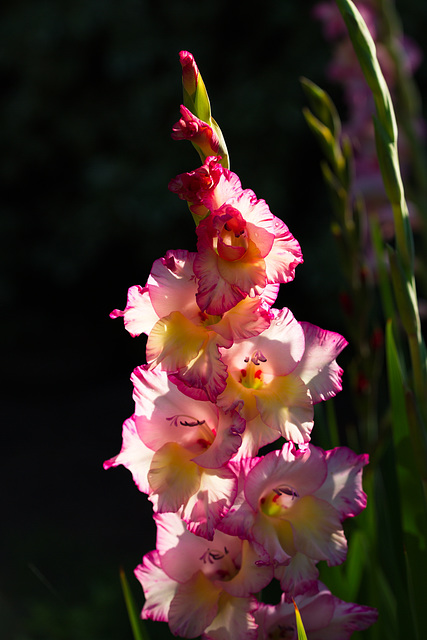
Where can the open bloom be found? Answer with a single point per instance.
(177, 450)
(202, 587)
(325, 617)
(292, 504)
(277, 376)
(182, 339)
(242, 247)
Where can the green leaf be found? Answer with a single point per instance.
(300, 627)
(410, 499)
(138, 629)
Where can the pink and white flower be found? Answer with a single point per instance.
(293, 503)
(202, 587)
(182, 339)
(277, 376)
(242, 248)
(178, 449)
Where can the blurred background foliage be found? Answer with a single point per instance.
(90, 91)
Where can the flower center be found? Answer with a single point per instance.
(279, 500)
(217, 564)
(200, 435)
(251, 376)
(232, 239)
(206, 319)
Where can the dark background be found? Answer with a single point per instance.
(90, 90)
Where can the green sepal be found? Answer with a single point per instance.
(222, 151)
(202, 104)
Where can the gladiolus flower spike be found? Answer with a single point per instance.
(225, 374)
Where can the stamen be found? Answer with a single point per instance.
(258, 357)
(212, 555)
(190, 422)
(286, 491)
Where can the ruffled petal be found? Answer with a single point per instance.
(159, 589)
(172, 285)
(298, 577)
(173, 477)
(240, 518)
(343, 485)
(139, 315)
(134, 455)
(318, 368)
(206, 371)
(347, 619)
(316, 612)
(208, 505)
(254, 573)
(227, 187)
(214, 295)
(256, 435)
(285, 255)
(227, 441)
(174, 341)
(317, 530)
(164, 414)
(285, 405)
(179, 551)
(194, 606)
(246, 319)
(233, 620)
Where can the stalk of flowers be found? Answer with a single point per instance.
(399, 58)
(226, 374)
(407, 419)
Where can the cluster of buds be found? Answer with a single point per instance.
(226, 373)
